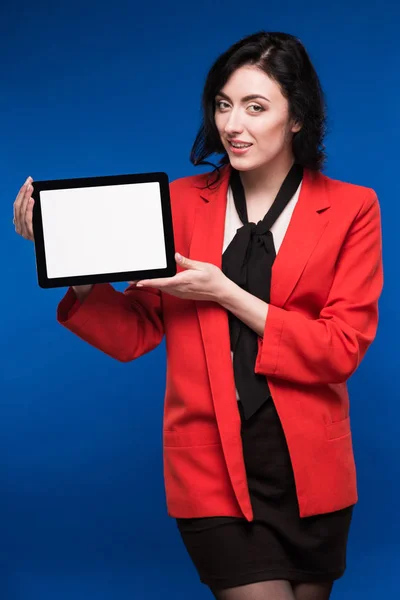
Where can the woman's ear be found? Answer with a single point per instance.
(296, 126)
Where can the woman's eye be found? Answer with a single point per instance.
(260, 108)
(221, 105)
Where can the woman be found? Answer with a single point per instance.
(273, 307)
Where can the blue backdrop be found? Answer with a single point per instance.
(110, 88)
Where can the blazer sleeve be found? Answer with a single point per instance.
(330, 348)
(124, 325)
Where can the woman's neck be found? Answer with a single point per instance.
(265, 181)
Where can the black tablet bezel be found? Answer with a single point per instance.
(160, 177)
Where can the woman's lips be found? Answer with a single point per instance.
(239, 150)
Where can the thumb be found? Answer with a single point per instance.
(186, 263)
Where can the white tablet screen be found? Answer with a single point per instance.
(105, 229)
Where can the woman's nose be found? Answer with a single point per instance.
(233, 124)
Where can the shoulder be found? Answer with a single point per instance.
(190, 183)
(186, 194)
(347, 194)
(349, 201)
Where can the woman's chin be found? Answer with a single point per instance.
(243, 163)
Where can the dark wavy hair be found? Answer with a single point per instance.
(285, 60)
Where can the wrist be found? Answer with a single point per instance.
(227, 292)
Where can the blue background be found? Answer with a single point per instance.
(109, 88)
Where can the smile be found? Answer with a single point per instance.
(240, 145)
(239, 148)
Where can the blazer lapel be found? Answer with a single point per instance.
(208, 233)
(206, 246)
(308, 222)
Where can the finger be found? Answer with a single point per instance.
(18, 204)
(146, 283)
(137, 284)
(165, 281)
(158, 283)
(187, 263)
(24, 217)
(29, 219)
(20, 209)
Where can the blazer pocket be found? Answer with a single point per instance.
(205, 437)
(338, 429)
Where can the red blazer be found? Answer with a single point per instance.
(326, 281)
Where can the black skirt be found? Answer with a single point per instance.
(278, 544)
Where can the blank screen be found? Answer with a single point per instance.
(105, 229)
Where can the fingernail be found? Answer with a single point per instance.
(139, 285)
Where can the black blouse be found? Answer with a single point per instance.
(248, 262)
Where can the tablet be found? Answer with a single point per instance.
(103, 229)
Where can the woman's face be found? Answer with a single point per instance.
(262, 120)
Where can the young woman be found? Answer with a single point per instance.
(273, 307)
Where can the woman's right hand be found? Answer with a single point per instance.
(23, 211)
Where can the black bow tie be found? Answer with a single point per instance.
(248, 262)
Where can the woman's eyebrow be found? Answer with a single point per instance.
(246, 98)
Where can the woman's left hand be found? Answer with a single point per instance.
(198, 281)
